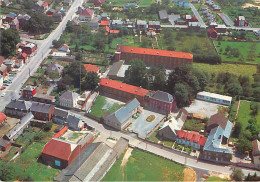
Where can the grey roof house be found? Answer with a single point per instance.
(69, 99)
(75, 123)
(55, 68)
(18, 108)
(114, 70)
(163, 15)
(60, 116)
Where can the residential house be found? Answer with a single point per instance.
(221, 29)
(188, 18)
(104, 16)
(75, 123)
(23, 57)
(55, 67)
(69, 99)
(216, 7)
(212, 33)
(14, 24)
(122, 91)
(3, 70)
(241, 21)
(154, 25)
(215, 98)
(123, 116)
(10, 17)
(64, 48)
(99, 2)
(60, 116)
(60, 153)
(5, 144)
(115, 24)
(195, 26)
(115, 69)
(6, 2)
(18, 108)
(1, 81)
(183, 3)
(213, 25)
(43, 98)
(163, 15)
(2, 118)
(91, 68)
(128, 5)
(17, 130)
(128, 24)
(104, 23)
(42, 111)
(22, 19)
(86, 15)
(10, 63)
(29, 48)
(18, 63)
(256, 153)
(161, 101)
(141, 25)
(67, 2)
(42, 6)
(50, 12)
(220, 130)
(190, 139)
(28, 92)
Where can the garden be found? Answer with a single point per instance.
(194, 125)
(156, 139)
(153, 169)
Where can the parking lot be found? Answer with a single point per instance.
(6, 82)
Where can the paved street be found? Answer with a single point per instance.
(196, 13)
(226, 19)
(106, 132)
(43, 50)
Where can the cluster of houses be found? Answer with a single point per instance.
(211, 4)
(215, 29)
(13, 20)
(182, 3)
(207, 13)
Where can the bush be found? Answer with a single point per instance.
(150, 118)
(48, 126)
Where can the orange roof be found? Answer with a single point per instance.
(107, 29)
(2, 117)
(90, 67)
(114, 31)
(104, 23)
(156, 52)
(123, 87)
(61, 132)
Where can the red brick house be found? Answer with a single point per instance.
(154, 25)
(28, 92)
(212, 33)
(42, 111)
(5, 144)
(23, 57)
(60, 153)
(2, 118)
(122, 91)
(28, 48)
(153, 57)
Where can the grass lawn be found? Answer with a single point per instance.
(75, 136)
(154, 138)
(97, 111)
(142, 166)
(194, 125)
(249, 51)
(121, 3)
(214, 178)
(245, 70)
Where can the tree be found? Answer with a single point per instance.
(237, 130)
(57, 43)
(234, 89)
(53, 75)
(181, 95)
(137, 74)
(228, 48)
(237, 174)
(254, 107)
(90, 81)
(7, 172)
(69, 27)
(100, 40)
(48, 126)
(157, 77)
(38, 137)
(8, 40)
(244, 145)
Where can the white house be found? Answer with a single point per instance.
(69, 99)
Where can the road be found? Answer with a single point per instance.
(43, 50)
(196, 13)
(106, 132)
(226, 19)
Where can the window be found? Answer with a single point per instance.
(57, 163)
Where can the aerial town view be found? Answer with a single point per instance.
(130, 90)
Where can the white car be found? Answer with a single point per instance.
(3, 94)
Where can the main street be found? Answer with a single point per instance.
(43, 50)
(169, 154)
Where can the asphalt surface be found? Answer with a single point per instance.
(43, 49)
(226, 19)
(196, 13)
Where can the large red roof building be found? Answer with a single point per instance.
(190, 139)
(153, 57)
(122, 91)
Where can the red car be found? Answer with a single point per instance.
(2, 88)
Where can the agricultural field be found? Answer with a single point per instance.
(102, 106)
(239, 51)
(153, 169)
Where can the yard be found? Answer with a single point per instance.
(194, 125)
(246, 51)
(103, 105)
(142, 166)
(154, 138)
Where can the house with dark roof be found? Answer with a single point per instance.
(60, 116)
(193, 140)
(75, 123)
(115, 69)
(55, 67)
(141, 25)
(5, 144)
(60, 153)
(42, 111)
(123, 116)
(86, 15)
(220, 130)
(115, 24)
(14, 24)
(163, 15)
(42, 6)
(69, 99)
(161, 101)
(64, 48)
(18, 108)
(10, 17)
(154, 25)
(256, 153)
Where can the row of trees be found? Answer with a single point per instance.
(8, 40)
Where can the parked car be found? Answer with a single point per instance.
(3, 88)
(3, 94)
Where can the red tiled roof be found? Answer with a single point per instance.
(107, 28)
(156, 52)
(212, 30)
(57, 148)
(61, 132)
(90, 67)
(2, 117)
(104, 23)
(114, 31)
(192, 137)
(202, 141)
(124, 87)
(24, 55)
(46, 3)
(87, 12)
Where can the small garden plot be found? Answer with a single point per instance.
(155, 138)
(153, 169)
(194, 125)
(103, 105)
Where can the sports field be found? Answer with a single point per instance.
(142, 166)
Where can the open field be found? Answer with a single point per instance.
(244, 70)
(249, 51)
(142, 166)
(214, 178)
(102, 106)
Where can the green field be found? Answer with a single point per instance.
(141, 3)
(249, 51)
(142, 166)
(244, 114)
(237, 69)
(97, 111)
(214, 178)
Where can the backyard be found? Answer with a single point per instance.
(194, 125)
(238, 51)
(153, 169)
(102, 106)
(155, 138)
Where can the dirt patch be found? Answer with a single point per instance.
(248, 5)
(189, 174)
(220, 175)
(126, 156)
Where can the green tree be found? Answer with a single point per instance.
(237, 174)
(244, 145)
(234, 89)
(90, 81)
(57, 43)
(181, 95)
(237, 130)
(254, 107)
(8, 40)
(38, 137)
(53, 75)
(48, 126)
(157, 77)
(100, 40)
(7, 172)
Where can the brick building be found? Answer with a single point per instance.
(155, 57)
(122, 91)
(28, 92)
(42, 111)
